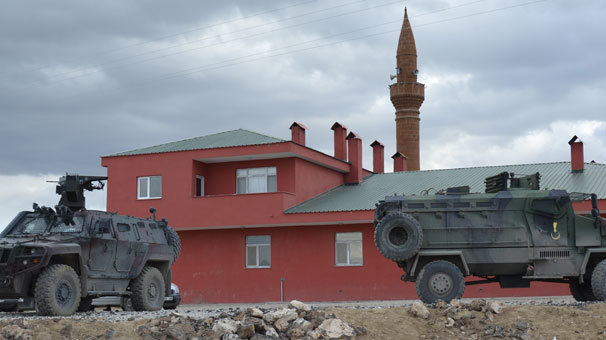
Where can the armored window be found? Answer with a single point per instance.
(199, 186)
(73, 226)
(123, 227)
(104, 227)
(149, 187)
(348, 249)
(258, 251)
(255, 180)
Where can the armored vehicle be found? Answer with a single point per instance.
(58, 260)
(511, 234)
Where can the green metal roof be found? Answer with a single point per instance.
(239, 137)
(364, 195)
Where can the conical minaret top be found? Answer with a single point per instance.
(406, 57)
(407, 95)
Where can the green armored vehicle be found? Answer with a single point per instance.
(510, 234)
(58, 260)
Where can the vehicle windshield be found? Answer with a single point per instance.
(36, 224)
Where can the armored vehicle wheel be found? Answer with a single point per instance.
(440, 280)
(148, 290)
(127, 304)
(57, 291)
(598, 281)
(86, 304)
(398, 236)
(174, 241)
(581, 291)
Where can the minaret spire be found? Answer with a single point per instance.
(407, 95)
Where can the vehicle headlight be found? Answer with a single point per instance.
(31, 251)
(174, 288)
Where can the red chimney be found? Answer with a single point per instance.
(354, 146)
(378, 164)
(340, 146)
(399, 162)
(577, 159)
(298, 133)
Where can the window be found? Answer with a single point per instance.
(258, 251)
(199, 186)
(149, 187)
(256, 180)
(348, 249)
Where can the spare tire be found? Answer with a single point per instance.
(173, 240)
(398, 236)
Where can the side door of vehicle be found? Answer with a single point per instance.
(548, 221)
(102, 253)
(129, 242)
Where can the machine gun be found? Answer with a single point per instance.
(71, 188)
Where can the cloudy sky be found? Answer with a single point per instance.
(507, 81)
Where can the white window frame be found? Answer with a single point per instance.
(348, 243)
(257, 246)
(201, 178)
(148, 197)
(248, 176)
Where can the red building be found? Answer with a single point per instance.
(265, 219)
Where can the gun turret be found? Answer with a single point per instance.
(71, 188)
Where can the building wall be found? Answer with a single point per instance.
(212, 269)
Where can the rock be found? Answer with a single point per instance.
(284, 313)
(142, 330)
(360, 330)
(522, 325)
(262, 337)
(449, 322)
(455, 302)
(154, 322)
(15, 332)
(300, 306)
(154, 329)
(440, 304)
(494, 307)
(296, 333)
(256, 312)
(315, 334)
(66, 332)
(225, 326)
(419, 310)
(303, 324)
(281, 325)
(259, 324)
(174, 332)
(230, 337)
(271, 332)
(246, 330)
(109, 333)
(316, 317)
(335, 328)
(477, 305)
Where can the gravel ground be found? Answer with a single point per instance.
(206, 310)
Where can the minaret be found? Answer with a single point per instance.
(407, 95)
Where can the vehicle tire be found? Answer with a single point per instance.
(581, 292)
(86, 304)
(127, 304)
(398, 236)
(598, 281)
(173, 240)
(57, 291)
(440, 280)
(148, 290)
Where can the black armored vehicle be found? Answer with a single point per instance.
(514, 233)
(57, 261)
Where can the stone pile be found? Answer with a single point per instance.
(297, 321)
(473, 320)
